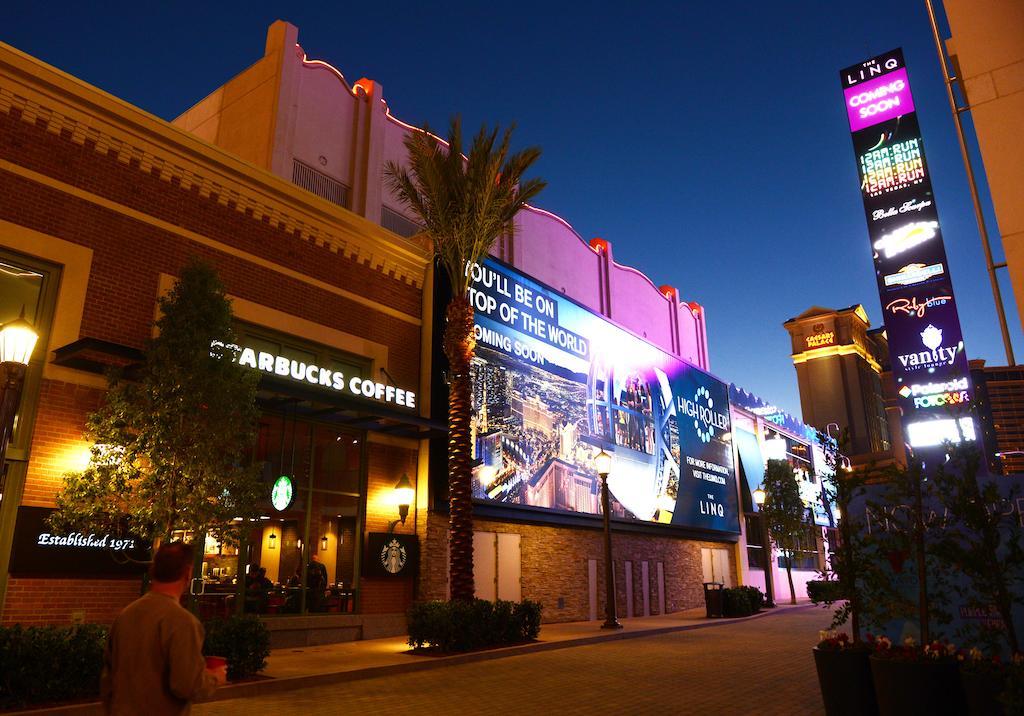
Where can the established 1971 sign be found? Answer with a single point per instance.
(39, 550)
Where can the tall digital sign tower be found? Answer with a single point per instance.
(926, 346)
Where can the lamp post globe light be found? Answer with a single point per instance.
(603, 463)
(760, 497)
(17, 341)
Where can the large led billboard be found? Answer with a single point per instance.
(926, 346)
(554, 384)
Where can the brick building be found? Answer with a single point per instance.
(101, 204)
(277, 179)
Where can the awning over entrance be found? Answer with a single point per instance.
(751, 467)
(94, 355)
(314, 403)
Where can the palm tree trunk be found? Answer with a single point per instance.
(789, 576)
(459, 346)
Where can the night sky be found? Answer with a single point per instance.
(706, 141)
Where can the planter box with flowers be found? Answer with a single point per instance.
(916, 679)
(844, 675)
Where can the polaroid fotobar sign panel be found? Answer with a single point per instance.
(926, 346)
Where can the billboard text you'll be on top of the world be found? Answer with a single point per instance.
(554, 384)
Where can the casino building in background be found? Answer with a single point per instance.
(841, 364)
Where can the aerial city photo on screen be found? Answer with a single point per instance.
(554, 384)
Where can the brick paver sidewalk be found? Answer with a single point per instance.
(679, 663)
(761, 665)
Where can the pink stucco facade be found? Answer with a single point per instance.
(288, 114)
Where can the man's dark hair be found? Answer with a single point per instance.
(171, 561)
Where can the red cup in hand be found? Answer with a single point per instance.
(216, 662)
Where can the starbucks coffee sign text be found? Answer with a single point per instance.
(324, 377)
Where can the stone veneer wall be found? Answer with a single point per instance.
(555, 566)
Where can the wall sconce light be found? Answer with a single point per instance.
(404, 494)
(298, 543)
(272, 541)
(323, 543)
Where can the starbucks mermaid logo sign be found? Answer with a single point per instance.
(393, 556)
(282, 493)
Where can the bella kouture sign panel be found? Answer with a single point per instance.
(554, 384)
(925, 341)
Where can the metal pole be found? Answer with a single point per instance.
(610, 620)
(922, 568)
(12, 378)
(978, 215)
(769, 565)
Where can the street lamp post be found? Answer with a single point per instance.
(604, 466)
(17, 340)
(760, 497)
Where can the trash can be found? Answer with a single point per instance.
(714, 598)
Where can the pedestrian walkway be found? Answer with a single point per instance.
(371, 657)
(309, 667)
(760, 666)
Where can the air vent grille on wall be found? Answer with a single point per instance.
(393, 221)
(319, 183)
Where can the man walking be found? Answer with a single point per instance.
(154, 663)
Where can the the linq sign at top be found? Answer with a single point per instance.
(877, 90)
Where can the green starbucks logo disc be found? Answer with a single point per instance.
(282, 494)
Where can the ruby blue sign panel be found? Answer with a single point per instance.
(926, 344)
(554, 384)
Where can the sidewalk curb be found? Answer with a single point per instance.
(292, 683)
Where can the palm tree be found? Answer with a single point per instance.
(464, 203)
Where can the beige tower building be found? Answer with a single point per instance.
(840, 365)
(987, 48)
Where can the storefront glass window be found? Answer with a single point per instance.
(20, 288)
(300, 556)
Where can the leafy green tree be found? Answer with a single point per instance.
(170, 447)
(464, 203)
(784, 512)
(847, 556)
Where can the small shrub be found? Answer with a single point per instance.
(737, 603)
(243, 640)
(527, 614)
(48, 664)
(756, 597)
(464, 626)
(824, 591)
